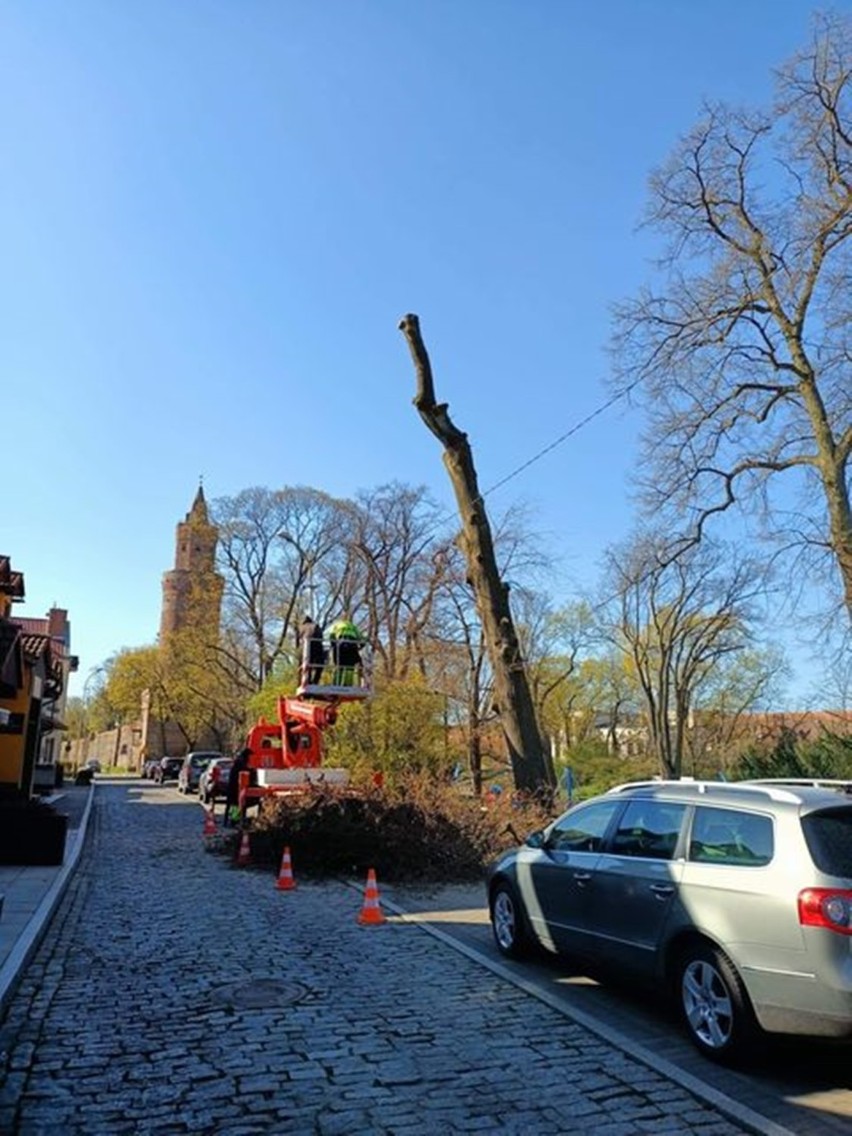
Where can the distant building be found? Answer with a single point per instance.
(766, 728)
(192, 598)
(192, 590)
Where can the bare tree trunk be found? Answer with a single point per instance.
(474, 754)
(513, 701)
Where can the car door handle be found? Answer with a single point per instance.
(663, 891)
(582, 877)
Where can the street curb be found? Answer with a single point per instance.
(27, 944)
(732, 1109)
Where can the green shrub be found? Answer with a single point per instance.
(830, 756)
(595, 769)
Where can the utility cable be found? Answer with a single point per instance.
(575, 429)
(562, 438)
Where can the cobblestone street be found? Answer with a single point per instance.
(174, 993)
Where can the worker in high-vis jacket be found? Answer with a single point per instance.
(345, 639)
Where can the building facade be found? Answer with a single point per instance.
(35, 662)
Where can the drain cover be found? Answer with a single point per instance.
(258, 994)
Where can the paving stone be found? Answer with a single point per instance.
(137, 1014)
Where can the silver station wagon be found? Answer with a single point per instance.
(736, 896)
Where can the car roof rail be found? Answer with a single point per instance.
(778, 791)
(803, 782)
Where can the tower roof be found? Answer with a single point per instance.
(198, 512)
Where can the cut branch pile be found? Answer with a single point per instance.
(420, 832)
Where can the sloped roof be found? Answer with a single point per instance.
(36, 647)
(31, 625)
(34, 627)
(198, 512)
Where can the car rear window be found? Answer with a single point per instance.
(829, 838)
(728, 836)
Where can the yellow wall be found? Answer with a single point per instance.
(12, 745)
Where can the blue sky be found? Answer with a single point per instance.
(213, 215)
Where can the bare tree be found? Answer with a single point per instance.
(676, 619)
(282, 552)
(403, 562)
(530, 766)
(744, 352)
(459, 666)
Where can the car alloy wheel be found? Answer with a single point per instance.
(714, 1003)
(507, 922)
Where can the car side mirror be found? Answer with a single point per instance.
(535, 839)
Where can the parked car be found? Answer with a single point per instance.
(213, 783)
(193, 766)
(167, 769)
(149, 766)
(737, 897)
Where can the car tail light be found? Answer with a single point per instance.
(826, 907)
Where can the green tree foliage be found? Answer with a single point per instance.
(829, 756)
(398, 732)
(75, 718)
(739, 685)
(555, 642)
(595, 768)
(199, 690)
(129, 673)
(282, 680)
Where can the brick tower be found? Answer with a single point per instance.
(192, 590)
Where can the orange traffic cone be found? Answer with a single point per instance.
(209, 823)
(244, 854)
(285, 875)
(371, 912)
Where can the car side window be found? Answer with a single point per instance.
(728, 836)
(582, 829)
(648, 829)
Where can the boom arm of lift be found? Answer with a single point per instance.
(295, 740)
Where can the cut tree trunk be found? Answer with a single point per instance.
(531, 767)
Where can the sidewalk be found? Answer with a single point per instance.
(32, 893)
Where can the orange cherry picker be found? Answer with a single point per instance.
(286, 756)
